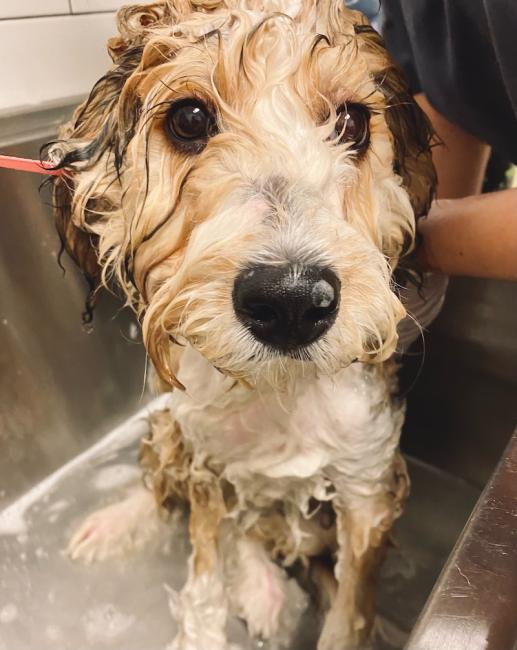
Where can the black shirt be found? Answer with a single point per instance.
(463, 55)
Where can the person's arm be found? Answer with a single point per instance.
(466, 233)
(460, 158)
(474, 236)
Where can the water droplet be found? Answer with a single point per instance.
(133, 331)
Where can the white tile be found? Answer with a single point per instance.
(81, 6)
(22, 8)
(52, 58)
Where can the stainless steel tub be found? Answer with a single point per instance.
(61, 386)
(63, 389)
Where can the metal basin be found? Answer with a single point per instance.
(61, 386)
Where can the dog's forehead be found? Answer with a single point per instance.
(285, 18)
(230, 48)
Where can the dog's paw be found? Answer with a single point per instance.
(257, 589)
(182, 643)
(103, 534)
(116, 529)
(201, 613)
(261, 599)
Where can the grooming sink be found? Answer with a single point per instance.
(73, 408)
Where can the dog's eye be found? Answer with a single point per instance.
(189, 123)
(353, 125)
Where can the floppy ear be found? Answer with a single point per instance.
(79, 244)
(93, 145)
(96, 129)
(101, 126)
(411, 130)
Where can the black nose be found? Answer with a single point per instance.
(286, 306)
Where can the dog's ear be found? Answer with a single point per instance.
(411, 130)
(79, 244)
(101, 128)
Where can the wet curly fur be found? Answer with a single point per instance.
(283, 459)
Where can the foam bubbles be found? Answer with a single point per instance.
(105, 622)
(115, 476)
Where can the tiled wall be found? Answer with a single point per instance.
(52, 50)
(32, 8)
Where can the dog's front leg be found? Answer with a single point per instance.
(349, 619)
(362, 530)
(201, 608)
(257, 587)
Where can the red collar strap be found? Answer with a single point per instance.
(28, 165)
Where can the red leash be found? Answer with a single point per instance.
(28, 165)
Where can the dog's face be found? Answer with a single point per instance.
(250, 177)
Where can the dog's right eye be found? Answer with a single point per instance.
(189, 123)
(353, 126)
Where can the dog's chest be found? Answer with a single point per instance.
(320, 429)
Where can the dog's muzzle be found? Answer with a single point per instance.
(289, 306)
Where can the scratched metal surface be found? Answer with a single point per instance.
(474, 604)
(61, 386)
(462, 408)
(50, 603)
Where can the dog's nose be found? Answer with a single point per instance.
(288, 306)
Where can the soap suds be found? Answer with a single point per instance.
(115, 476)
(105, 622)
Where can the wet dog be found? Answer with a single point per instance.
(249, 174)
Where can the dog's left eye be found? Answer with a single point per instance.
(353, 125)
(189, 123)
